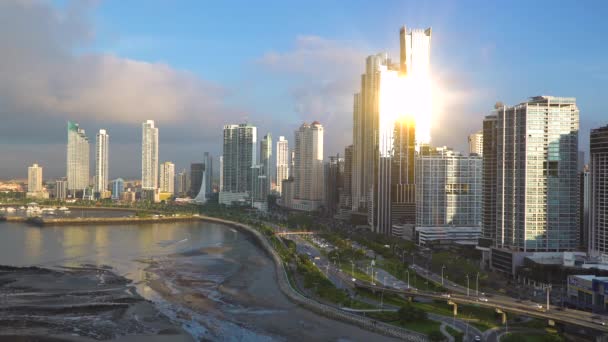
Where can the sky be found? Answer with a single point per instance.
(193, 66)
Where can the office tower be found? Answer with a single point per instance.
(476, 143)
(448, 189)
(167, 177)
(415, 63)
(77, 158)
(598, 215)
(149, 156)
(118, 187)
(292, 159)
(282, 162)
(208, 159)
(308, 167)
(488, 211)
(345, 195)
(61, 189)
(537, 180)
(196, 178)
(101, 161)
(391, 116)
(334, 183)
(221, 185)
(34, 179)
(263, 174)
(581, 161)
(239, 156)
(181, 181)
(584, 202)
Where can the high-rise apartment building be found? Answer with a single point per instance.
(167, 177)
(61, 189)
(221, 185)
(282, 162)
(77, 159)
(476, 143)
(208, 160)
(149, 156)
(488, 211)
(263, 173)
(118, 187)
(239, 156)
(448, 189)
(537, 185)
(345, 196)
(34, 179)
(308, 167)
(196, 178)
(598, 213)
(101, 161)
(334, 183)
(181, 183)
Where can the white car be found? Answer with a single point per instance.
(483, 299)
(446, 295)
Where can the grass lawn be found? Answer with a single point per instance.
(426, 326)
(458, 335)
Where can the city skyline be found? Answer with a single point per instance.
(474, 78)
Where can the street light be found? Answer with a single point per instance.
(442, 267)
(467, 285)
(477, 285)
(408, 278)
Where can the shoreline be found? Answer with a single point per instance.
(44, 222)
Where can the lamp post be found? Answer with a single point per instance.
(442, 267)
(408, 278)
(477, 285)
(352, 269)
(467, 285)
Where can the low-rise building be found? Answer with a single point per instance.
(446, 235)
(588, 292)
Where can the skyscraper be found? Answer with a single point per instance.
(118, 187)
(101, 161)
(149, 156)
(537, 185)
(196, 178)
(61, 189)
(488, 211)
(476, 143)
(77, 159)
(448, 189)
(181, 181)
(391, 116)
(208, 159)
(282, 162)
(334, 183)
(345, 195)
(265, 167)
(167, 177)
(308, 167)
(598, 214)
(34, 179)
(239, 156)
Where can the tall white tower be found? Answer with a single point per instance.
(34, 179)
(167, 177)
(77, 169)
(282, 162)
(149, 156)
(101, 161)
(308, 169)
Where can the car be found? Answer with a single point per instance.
(477, 338)
(483, 299)
(599, 322)
(446, 295)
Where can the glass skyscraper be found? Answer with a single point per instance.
(537, 186)
(149, 156)
(598, 238)
(77, 158)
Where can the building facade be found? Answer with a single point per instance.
(61, 189)
(208, 159)
(282, 162)
(181, 183)
(77, 158)
(196, 178)
(334, 184)
(102, 142)
(448, 189)
(34, 179)
(118, 187)
(488, 211)
(598, 214)
(238, 158)
(476, 143)
(537, 187)
(167, 178)
(149, 156)
(308, 167)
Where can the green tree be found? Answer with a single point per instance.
(410, 313)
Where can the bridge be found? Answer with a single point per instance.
(294, 233)
(501, 305)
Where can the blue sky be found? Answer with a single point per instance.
(278, 63)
